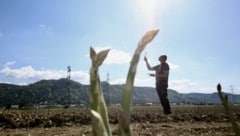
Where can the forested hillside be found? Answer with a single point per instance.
(63, 92)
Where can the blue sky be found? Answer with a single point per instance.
(39, 39)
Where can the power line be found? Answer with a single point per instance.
(108, 77)
(68, 72)
(108, 88)
(232, 89)
(232, 92)
(68, 84)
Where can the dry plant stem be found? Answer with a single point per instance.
(100, 121)
(229, 112)
(124, 122)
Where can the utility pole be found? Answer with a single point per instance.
(232, 93)
(108, 79)
(68, 73)
(231, 88)
(108, 89)
(68, 84)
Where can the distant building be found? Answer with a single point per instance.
(148, 104)
(118, 104)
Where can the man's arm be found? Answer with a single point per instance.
(147, 64)
(161, 75)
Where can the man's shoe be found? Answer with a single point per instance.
(167, 112)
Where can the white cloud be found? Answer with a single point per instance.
(28, 72)
(46, 29)
(6, 82)
(115, 56)
(150, 82)
(23, 83)
(147, 82)
(207, 90)
(118, 81)
(182, 85)
(10, 63)
(118, 57)
(237, 90)
(188, 86)
(173, 66)
(81, 76)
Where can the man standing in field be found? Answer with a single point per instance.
(161, 75)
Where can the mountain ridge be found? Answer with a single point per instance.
(63, 91)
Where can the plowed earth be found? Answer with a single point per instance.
(145, 121)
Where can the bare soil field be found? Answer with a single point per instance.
(146, 121)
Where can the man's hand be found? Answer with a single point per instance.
(148, 66)
(152, 75)
(145, 58)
